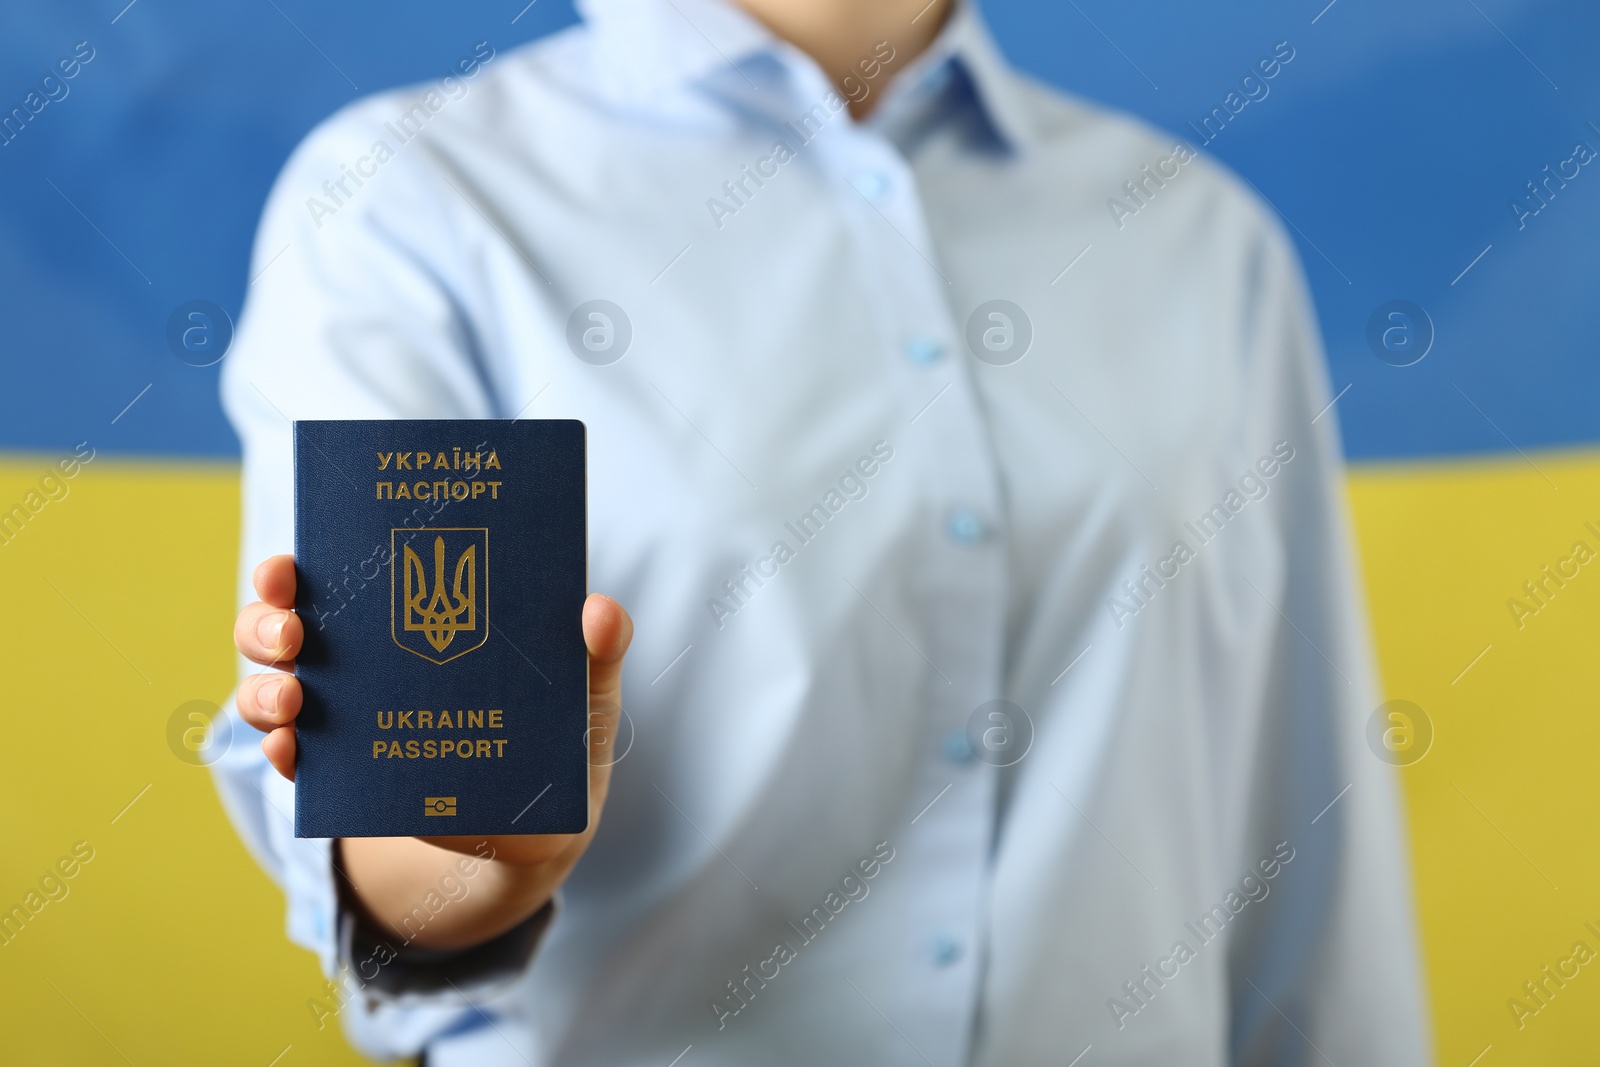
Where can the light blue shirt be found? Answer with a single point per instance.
(1001, 680)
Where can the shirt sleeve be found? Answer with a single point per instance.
(348, 316)
(1332, 961)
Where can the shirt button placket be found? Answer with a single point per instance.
(958, 593)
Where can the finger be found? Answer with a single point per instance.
(274, 581)
(267, 634)
(278, 746)
(269, 700)
(607, 631)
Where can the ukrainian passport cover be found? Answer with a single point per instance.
(442, 568)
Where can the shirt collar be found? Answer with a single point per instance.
(964, 45)
(648, 47)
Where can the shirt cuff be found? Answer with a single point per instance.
(387, 968)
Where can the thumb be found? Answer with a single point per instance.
(607, 631)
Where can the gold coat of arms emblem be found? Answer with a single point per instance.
(439, 582)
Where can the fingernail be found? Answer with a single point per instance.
(270, 631)
(268, 694)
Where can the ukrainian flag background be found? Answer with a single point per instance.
(1396, 145)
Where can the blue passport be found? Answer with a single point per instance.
(442, 568)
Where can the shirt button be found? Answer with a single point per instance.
(966, 526)
(924, 350)
(872, 184)
(956, 747)
(944, 949)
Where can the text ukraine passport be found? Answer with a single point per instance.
(442, 568)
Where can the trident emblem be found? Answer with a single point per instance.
(449, 605)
